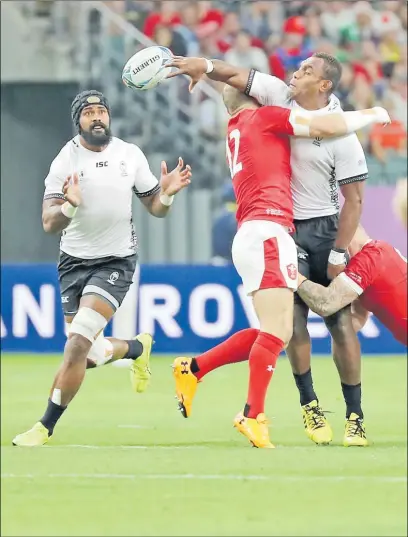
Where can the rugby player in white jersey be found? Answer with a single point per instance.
(88, 197)
(323, 232)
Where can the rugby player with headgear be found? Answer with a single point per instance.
(88, 198)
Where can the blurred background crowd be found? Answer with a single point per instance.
(369, 38)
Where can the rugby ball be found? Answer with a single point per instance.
(147, 68)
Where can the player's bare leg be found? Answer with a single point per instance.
(276, 325)
(96, 313)
(107, 350)
(316, 425)
(347, 357)
(188, 372)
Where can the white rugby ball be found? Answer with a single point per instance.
(147, 68)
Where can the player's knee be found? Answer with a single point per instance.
(76, 349)
(299, 329)
(87, 323)
(340, 325)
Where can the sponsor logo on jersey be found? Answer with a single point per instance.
(292, 271)
(317, 141)
(102, 164)
(113, 278)
(65, 299)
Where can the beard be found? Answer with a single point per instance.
(96, 138)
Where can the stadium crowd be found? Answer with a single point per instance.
(370, 39)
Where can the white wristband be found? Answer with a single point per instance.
(166, 200)
(68, 210)
(337, 258)
(210, 66)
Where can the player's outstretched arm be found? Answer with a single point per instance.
(58, 211)
(217, 70)
(335, 125)
(326, 300)
(171, 183)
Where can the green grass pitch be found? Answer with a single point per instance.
(125, 464)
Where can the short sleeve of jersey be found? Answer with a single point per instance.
(56, 177)
(349, 160)
(145, 183)
(361, 270)
(267, 89)
(276, 119)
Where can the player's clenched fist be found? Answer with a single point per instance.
(72, 190)
(174, 181)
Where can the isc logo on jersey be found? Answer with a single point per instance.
(147, 68)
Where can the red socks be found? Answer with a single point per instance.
(235, 349)
(262, 360)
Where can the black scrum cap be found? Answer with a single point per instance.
(87, 98)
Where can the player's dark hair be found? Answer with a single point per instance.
(331, 70)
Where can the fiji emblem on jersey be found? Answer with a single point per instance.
(123, 169)
(292, 271)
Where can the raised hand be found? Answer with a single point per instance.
(195, 68)
(174, 181)
(72, 190)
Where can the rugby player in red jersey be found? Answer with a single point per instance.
(263, 251)
(375, 280)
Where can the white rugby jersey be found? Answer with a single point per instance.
(103, 225)
(318, 165)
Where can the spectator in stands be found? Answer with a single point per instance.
(243, 54)
(228, 31)
(210, 19)
(167, 16)
(389, 141)
(395, 96)
(293, 49)
(188, 26)
(165, 36)
(263, 18)
(224, 227)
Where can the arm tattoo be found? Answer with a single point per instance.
(326, 300)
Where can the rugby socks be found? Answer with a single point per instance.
(231, 351)
(262, 361)
(304, 383)
(135, 349)
(52, 415)
(352, 397)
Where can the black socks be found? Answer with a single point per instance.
(135, 349)
(304, 383)
(352, 397)
(194, 366)
(52, 415)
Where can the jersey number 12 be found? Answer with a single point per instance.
(234, 166)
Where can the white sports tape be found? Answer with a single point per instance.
(68, 210)
(101, 350)
(300, 123)
(88, 323)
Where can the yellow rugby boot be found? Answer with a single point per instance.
(37, 436)
(256, 430)
(355, 433)
(140, 369)
(186, 384)
(317, 427)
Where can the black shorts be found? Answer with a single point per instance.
(314, 239)
(108, 277)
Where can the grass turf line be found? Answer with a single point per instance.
(127, 464)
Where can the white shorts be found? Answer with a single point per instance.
(265, 256)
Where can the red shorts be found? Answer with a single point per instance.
(265, 256)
